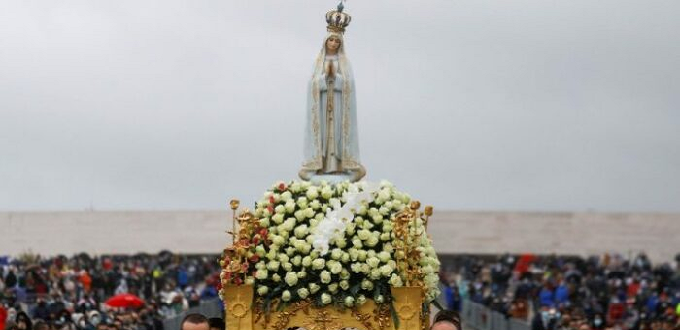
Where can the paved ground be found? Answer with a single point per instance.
(453, 232)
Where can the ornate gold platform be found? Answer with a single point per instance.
(242, 314)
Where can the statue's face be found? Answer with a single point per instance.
(333, 43)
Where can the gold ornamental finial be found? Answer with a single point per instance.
(234, 203)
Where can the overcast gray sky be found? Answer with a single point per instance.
(475, 105)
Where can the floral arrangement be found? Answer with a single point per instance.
(330, 243)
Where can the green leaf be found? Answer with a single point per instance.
(395, 318)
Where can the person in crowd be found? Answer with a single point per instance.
(217, 323)
(195, 321)
(446, 320)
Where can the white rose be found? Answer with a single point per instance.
(384, 256)
(285, 296)
(262, 290)
(290, 251)
(365, 268)
(261, 274)
(385, 194)
(387, 227)
(356, 267)
(280, 209)
(325, 277)
(385, 237)
(264, 222)
(349, 301)
(344, 284)
(336, 268)
(375, 274)
(278, 218)
(380, 299)
(259, 250)
(295, 187)
(297, 260)
(353, 254)
(326, 192)
(357, 243)
(301, 231)
(345, 257)
(386, 270)
(361, 300)
(287, 266)
(273, 265)
(289, 224)
(318, 263)
(387, 247)
(305, 248)
(362, 255)
(373, 262)
(303, 293)
(363, 234)
(306, 261)
(309, 212)
(366, 285)
(326, 298)
(313, 288)
(315, 204)
(302, 274)
(336, 254)
(350, 228)
(373, 240)
(333, 288)
(344, 274)
(290, 206)
(341, 243)
(276, 278)
(302, 203)
(291, 278)
(312, 193)
(396, 281)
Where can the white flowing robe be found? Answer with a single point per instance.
(345, 115)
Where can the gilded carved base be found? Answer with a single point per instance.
(242, 314)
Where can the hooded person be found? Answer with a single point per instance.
(23, 321)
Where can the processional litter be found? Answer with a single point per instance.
(330, 251)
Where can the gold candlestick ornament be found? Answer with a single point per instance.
(234, 203)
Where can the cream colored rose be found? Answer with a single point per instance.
(303, 293)
(325, 277)
(262, 290)
(291, 278)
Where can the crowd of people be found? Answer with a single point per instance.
(62, 293)
(550, 292)
(608, 292)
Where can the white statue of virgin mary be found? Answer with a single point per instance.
(331, 145)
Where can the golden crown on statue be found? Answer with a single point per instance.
(337, 19)
(272, 280)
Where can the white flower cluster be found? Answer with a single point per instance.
(333, 243)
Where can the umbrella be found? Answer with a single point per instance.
(125, 300)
